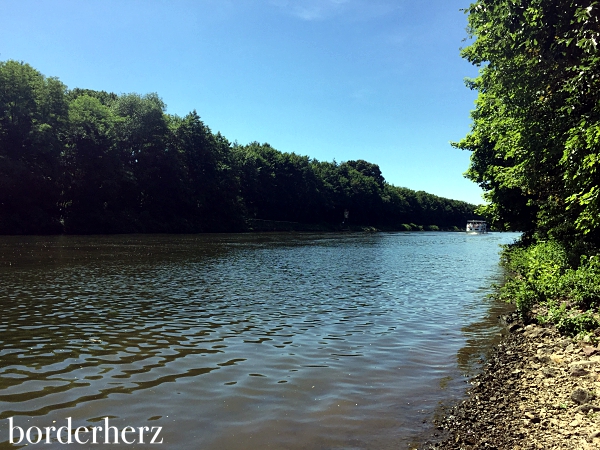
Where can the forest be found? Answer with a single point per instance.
(80, 161)
(535, 144)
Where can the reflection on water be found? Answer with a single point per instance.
(243, 341)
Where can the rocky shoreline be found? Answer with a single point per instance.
(538, 390)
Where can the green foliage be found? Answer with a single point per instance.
(33, 112)
(535, 144)
(536, 127)
(542, 278)
(572, 322)
(537, 274)
(583, 284)
(86, 161)
(92, 168)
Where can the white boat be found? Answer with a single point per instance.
(476, 227)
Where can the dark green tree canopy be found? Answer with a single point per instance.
(33, 114)
(86, 161)
(536, 127)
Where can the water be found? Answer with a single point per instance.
(271, 341)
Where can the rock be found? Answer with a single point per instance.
(584, 409)
(514, 327)
(594, 435)
(518, 403)
(564, 343)
(544, 359)
(581, 396)
(584, 364)
(536, 332)
(579, 372)
(507, 319)
(548, 372)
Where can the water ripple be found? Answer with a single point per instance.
(282, 341)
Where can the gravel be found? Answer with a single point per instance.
(538, 390)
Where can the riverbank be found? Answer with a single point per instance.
(539, 390)
(259, 225)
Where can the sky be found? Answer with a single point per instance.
(379, 80)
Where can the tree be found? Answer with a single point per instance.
(33, 112)
(276, 185)
(212, 183)
(537, 119)
(86, 161)
(93, 170)
(142, 133)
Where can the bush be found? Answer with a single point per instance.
(574, 322)
(583, 283)
(540, 276)
(534, 272)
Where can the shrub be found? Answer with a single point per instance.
(575, 323)
(540, 275)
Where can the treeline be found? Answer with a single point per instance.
(535, 148)
(84, 161)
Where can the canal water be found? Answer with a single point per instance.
(241, 341)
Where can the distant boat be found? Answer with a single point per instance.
(476, 227)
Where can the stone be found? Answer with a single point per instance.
(594, 435)
(581, 396)
(579, 372)
(584, 409)
(514, 327)
(584, 364)
(518, 403)
(548, 372)
(564, 343)
(543, 359)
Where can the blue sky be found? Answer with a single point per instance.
(380, 80)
